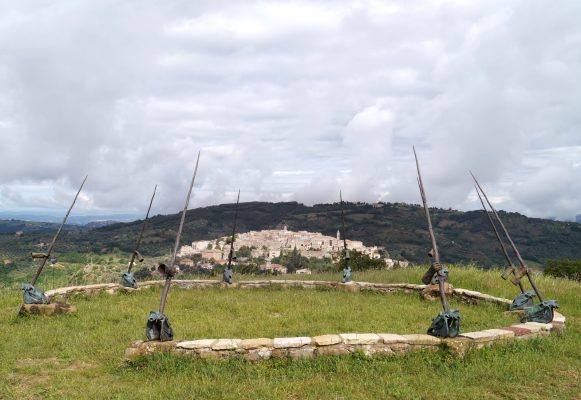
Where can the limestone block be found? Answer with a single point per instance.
(469, 293)
(226, 344)
(132, 352)
(518, 331)
(302, 352)
(326, 340)
(458, 345)
(415, 287)
(278, 353)
(256, 343)
(420, 339)
(359, 338)
(351, 287)
(540, 325)
(531, 326)
(156, 346)
(47, 309)
(478, 336)
(400, 348)
(389, 338)
(262, 353)
(500, 333)
(332, 350)
(196, 344)
(432, 292)
(280, 343)
(558, 317)
(380, 349)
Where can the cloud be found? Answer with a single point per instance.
(290, 100)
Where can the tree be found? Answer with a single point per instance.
(570, 269)
(244, 251)
(359, 261)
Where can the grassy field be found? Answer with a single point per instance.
(81, 355)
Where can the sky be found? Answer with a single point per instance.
(290, 101)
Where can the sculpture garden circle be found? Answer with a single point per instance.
(335, 319)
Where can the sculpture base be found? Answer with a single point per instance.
(47, 309)
(348, 287)
(432, 292)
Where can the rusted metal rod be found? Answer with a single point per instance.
(436, 254)
(231, 254)
(56, 235)
(502, 246)
(138, 243)
(177, 243)
(516, 252)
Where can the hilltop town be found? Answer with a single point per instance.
(269, 244)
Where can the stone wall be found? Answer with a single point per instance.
(370, 344)
(112, 288)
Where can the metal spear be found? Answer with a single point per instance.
(511, 266)
(516, 252)
(48, 253)
(432, 236)
(138, 243)
(177, 242)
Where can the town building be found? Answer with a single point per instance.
(268, 244)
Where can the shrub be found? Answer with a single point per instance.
(570, 269)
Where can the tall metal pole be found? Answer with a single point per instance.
(432, 236)
(48, 253)
(138, 243)
(504, 251)
(516, 252)
(231, 254)
(343, 230)
(177, 243)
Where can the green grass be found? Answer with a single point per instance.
(80, 355)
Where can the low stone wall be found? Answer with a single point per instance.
(369, 344)
(65, 293)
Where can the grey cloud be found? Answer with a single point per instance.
(129, 92)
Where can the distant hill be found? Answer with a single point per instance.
(400, 228)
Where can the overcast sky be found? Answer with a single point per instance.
(290, 101)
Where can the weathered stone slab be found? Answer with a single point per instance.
(420, 339)
(302, 352)
(478, 336)
(348, 287)
(47, 309)
(390, 338)
(256, 343)
(261, 353)
(558, 317)
(516, 330)
(533, 327)
(332, 350)
(400, 348)
(226, 344)
(458, 345)
(196, 344)
(432, 292)
(541, 326)
(326, 340)
(500, 333)
(280, 343)
(359, 338)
